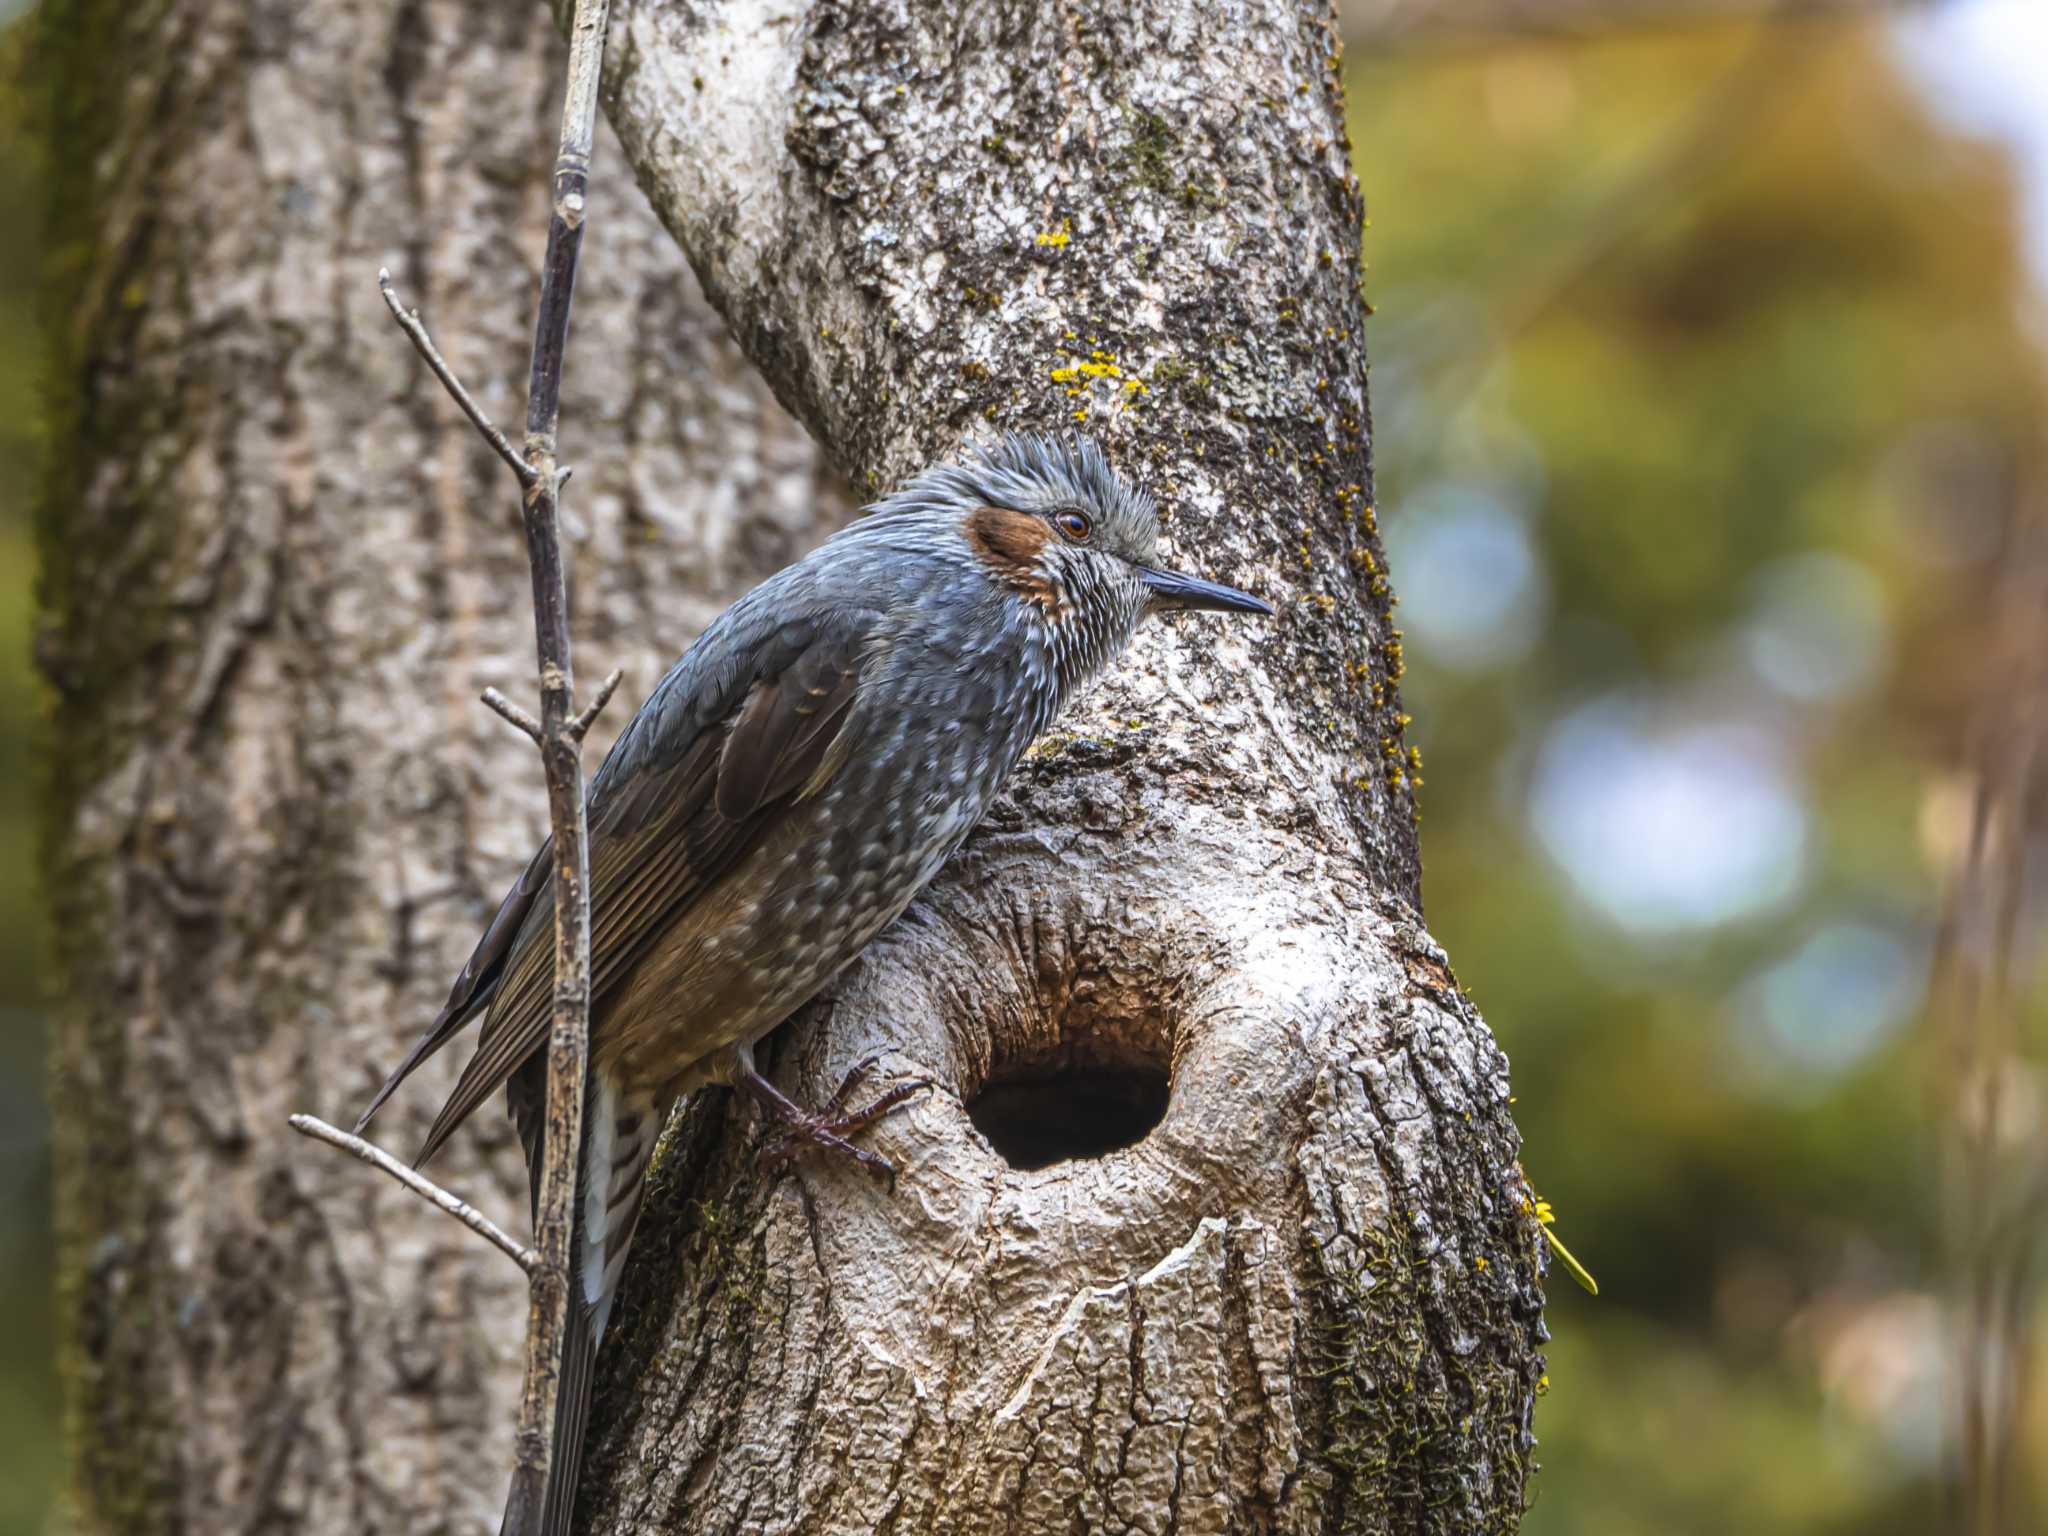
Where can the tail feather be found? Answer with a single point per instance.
(547, 1510)
(446, 1026)
(478, 983)
(619, 1133)
(572, 1418)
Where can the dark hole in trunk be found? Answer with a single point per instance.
(1063, 1110)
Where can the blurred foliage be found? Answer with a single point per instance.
(30, 1446)
(1697, 312)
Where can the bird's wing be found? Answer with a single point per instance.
(473, 989)
(668, 824)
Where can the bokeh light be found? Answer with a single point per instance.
(1668, 826)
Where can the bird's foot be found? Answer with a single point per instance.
(827, 1129)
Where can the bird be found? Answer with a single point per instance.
(790, 785)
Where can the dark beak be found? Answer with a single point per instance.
(1171, 591)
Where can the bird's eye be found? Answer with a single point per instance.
(1073, 524)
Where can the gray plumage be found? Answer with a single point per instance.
(789, 786)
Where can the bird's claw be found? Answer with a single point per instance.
(827, 1130)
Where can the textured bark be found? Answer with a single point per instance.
(1309, 1299)
(279, 569)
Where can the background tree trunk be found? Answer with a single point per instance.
(280, 569)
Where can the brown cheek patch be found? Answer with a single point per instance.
(1009, 544)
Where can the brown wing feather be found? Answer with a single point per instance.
(667, 835)
(473, 988)
(635, 877)
(782, 731)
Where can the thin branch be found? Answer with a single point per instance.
(580, 726)
(559, 734)
(547, 1324)
(425, 1188)
(1995, 1187)
(513, 713)
(409, 321)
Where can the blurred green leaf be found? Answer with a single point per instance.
(1695, 306)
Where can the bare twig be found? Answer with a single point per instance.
(559, 734)
(409, 321)
(513, 713)
(580, 726)
(561, 755)
(419, 1184)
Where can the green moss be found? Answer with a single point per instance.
(684, 1242)
(729, 1264)
(1050, 746)
(102, 620)
(1191, 385)
(1410, 1445)
(1153, 146)
(1370, 1342)
(1154, 158)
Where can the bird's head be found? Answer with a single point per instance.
(1055, 524)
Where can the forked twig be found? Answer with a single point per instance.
(559, 734)
(513, 713)
(409, 321)
(580, 726)
(561, 752)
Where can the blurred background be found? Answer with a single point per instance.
(1711, 378)
(1708, 374)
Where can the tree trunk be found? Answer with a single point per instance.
(279, 568)
(1309, 1299)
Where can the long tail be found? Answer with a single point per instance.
(619, 1132)
(545, 1509)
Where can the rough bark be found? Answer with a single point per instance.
(279, 568)
(1310, 1298)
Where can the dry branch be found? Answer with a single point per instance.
(561, 743)
(580, 726)
(409, 321)
(512, 714)
(559, 734)
(419, 1184)
(1995, 1175)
